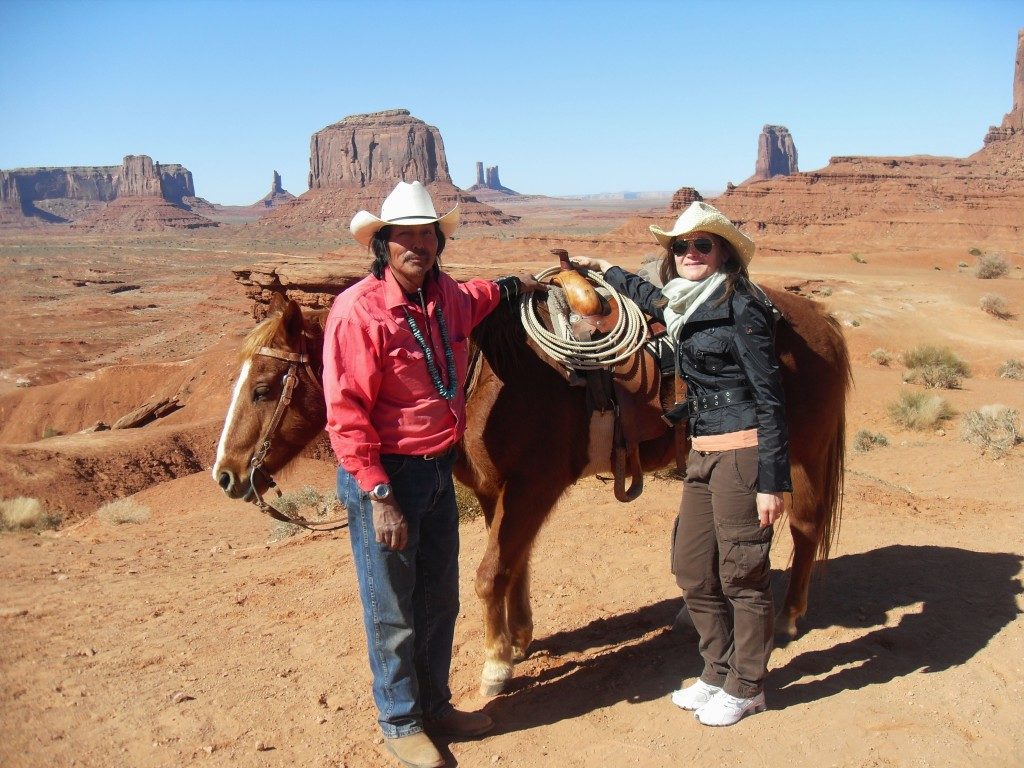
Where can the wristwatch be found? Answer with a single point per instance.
(380, 492)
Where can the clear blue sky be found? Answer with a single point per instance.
(565, 97)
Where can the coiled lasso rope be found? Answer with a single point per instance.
(625, 339)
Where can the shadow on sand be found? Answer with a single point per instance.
(957, 601)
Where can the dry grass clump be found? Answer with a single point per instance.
(865, 441)
(991, 266)
(1012, 369)
(858, 258)
(123, 511)
(882, 356)
(934, 367)
(308, 503)
(23, 514)
(919, 410)
(995, 305)
(994, 428)
(466, 501)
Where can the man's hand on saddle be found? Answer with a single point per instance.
(596, 265)
(389, 526)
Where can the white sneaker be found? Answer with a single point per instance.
(725, 709)
(694, 696)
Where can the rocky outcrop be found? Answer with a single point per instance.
(277, 195)
(683, 197)
(60, 195)
(356, 162)
(1013, 121)
(377, 147)
(488, 184)
(776, 154)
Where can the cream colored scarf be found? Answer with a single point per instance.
(684, 296)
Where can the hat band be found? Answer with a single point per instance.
(415, 216)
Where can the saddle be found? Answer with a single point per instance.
(635, 392)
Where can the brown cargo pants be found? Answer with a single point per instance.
(720, 560)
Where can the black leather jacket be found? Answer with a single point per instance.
(725, 346)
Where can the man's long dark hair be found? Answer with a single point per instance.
(382, 254)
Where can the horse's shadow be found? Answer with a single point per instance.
(956, 600)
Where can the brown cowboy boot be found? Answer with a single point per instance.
(415, 751)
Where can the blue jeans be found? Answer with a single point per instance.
(410, 597)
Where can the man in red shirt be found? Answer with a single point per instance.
(395, 361)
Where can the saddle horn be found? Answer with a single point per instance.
(583, 299)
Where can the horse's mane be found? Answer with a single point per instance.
(269, 329)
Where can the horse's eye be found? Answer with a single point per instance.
(261, 392)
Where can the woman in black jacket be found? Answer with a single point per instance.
(738, 467)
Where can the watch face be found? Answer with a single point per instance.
(380, 491)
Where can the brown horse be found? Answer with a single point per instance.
(516, 402)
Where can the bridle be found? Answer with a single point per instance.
(288, 383)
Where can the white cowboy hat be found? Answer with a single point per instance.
(701, 217)
(407, 205)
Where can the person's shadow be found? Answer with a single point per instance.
(958, 600)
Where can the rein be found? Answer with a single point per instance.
(291, 378)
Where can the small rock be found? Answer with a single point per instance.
(208, 749)
(263, 747)
(180, 696)
(495, 758)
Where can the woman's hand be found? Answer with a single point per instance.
(597, 265)
(529, 284)
(389, 526)
(770, 507)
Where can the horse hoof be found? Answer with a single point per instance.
(490, 689)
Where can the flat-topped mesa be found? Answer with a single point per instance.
(776, 153)
(72, 193)
(356, 162)
(387, 146)
(1013, 121)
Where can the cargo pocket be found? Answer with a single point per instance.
(745, 556)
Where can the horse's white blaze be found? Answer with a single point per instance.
(599, 443)
(229, 422)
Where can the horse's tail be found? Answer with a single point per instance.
(835, 459)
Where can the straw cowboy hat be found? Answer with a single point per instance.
(701, 217)
(407, 205)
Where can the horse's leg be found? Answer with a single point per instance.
(520, 614)
(805, 527)
(516, 521)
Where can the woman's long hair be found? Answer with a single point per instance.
(733, 267)
(382, 254)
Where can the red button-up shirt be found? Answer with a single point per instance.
(380, 396)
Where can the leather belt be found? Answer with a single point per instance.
(713, 400)
(709, 402)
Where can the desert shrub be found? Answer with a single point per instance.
(825, 290)
(991, 266)
(858, 258)
(123, 511)
(308, 503)
(23, 513)
(864, 440)
(962, 264)
(994, 428)
(934, 367)
(466, 501)
(1012, 369)
(919, 410)
(882, 356)
(49, 432)
(974, 252)
(995, 305)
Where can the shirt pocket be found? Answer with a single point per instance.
(409, 380)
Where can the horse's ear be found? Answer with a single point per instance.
(292, 318)
(277, 303)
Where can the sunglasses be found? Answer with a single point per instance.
(702, 244)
